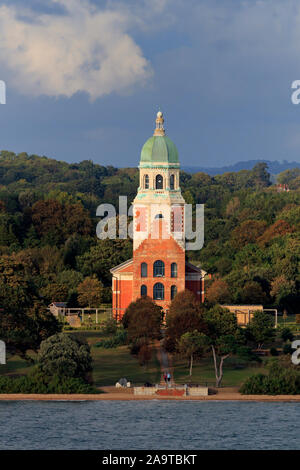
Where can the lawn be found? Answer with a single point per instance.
(15, 365)
(236, 371)
(109, 365)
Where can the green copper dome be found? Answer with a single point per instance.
(159, 148)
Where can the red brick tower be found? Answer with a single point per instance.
(158, 267)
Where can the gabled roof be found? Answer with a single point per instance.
(122, 266)
(59, 304)
(192, 268)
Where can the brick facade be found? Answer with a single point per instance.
(158, 233)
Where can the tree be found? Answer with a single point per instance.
(185, 315)
(65, 356)
(282, 290)
(247, 232)
(261, 328)
(191, 343)
(252, 293)
(223, 337)
(25, 329)
(90, 292)
(54, 292)
(218, 292)
(260, 175)
(142, 320)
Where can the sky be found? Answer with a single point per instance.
(85, 79)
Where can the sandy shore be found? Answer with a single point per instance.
(226, 394)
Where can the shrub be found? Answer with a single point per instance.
(66, 356)
(287, 335)
(280, 381)
(256, 384)
(110, 326)
(297, 318)
(118, 340)
(287, 348)
(273, 352)
(37, 382)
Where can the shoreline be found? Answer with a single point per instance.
(112, 394)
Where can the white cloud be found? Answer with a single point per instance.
(86, 49)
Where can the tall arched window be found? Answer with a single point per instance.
(174, 270)
(146, 181)
(143, 290)
(159, 182)
(158, 268)
(158, 291)
(144, 270)
(173, 292)
(172, 182)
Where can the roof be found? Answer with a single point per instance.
(59, 304)
(192, 268)
(122, 265)
(159, 149)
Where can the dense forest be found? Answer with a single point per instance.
(48, 243)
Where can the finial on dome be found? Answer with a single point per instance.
(159, 130)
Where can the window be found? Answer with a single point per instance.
(158, 268)
(173, 292)
(143, 290)
(158, 291)
(159, 216)
(159, 182)
(144, 270)
(172, 182)
(146, 180)
(174, 270)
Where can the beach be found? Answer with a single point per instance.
(111, 393)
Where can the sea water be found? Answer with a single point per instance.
(160, 425)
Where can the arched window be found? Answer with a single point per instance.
(174, 270)
(143, 290)
(159, 182)
(173, 292)
(144, 270)
(159, 216)
(172, 182)
(158, 291)
(158, 268)
(146, 181)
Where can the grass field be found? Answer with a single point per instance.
(109, 365)
(235, 371)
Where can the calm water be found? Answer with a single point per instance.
(149, 425)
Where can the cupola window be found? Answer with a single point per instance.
(172, 182)
(159, 182)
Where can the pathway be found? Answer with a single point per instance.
(165, 361)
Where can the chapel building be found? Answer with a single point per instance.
(158, 267)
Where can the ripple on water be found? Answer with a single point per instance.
(148, 425)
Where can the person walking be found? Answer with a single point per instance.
(168, 378)
(165, 378)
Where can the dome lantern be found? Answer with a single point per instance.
(159, 130)
(159, 149)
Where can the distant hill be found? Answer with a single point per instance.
(274, 167)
